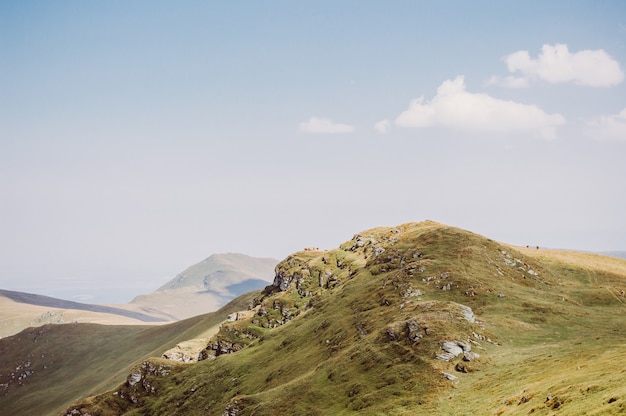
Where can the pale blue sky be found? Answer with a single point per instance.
(139, 137)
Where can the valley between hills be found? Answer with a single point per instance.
(422, 318)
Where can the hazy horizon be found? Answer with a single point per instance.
(137, 139)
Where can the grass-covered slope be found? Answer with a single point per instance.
(418, 319)
(43, 370)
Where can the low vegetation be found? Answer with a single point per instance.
(44, 369)
(417, 319)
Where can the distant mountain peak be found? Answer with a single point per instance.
(209, 284)
(219, 270)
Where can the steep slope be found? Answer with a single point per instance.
(43, 370)
(206, 286)
(417, 319)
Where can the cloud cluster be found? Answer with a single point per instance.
(608, 127)
(455, 107)
(556, 64)
(324, 126)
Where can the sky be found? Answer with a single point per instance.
(139, 137)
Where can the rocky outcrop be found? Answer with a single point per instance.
(143, 372)
(282, 280)
(230, 339)
(142, 381)
(186, 351)
(452, 349)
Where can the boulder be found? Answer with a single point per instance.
(452, 347)
(449, 376)
(413, 330)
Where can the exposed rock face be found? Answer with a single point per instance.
(178, 354)
(134, 377)
(142, 373)
(219, 347)
(282, 281)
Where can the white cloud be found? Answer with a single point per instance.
(324, 125)
(556, 64)
(454, 107)
(508, 82)
(382, 126)
(611, 127)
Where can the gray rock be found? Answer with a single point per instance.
(133, 378)
(464, 345)
(445, 356)
(282, 281)
(452, 348)
(468, 314)
(449, 376)
(378, 250)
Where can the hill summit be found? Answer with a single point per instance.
(422, 318)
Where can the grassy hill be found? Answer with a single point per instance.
(44, 369)
(417, 319)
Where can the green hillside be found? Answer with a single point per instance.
(43, 370)
(417, 319)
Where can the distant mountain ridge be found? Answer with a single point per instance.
(19, 310)
(206, 286)
(218, 271)
(40, 300)
(44, 369)
(199, 289)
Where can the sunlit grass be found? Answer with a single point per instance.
(549, 332)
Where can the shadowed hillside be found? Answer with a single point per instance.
(417, 319)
